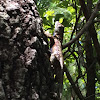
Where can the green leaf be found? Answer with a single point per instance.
(66, 22)
(58, 16)
(63, 4)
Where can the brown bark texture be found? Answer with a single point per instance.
(25, 71)
(91, 35)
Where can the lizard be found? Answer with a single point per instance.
(56, 57)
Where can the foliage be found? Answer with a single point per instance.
(67, 12)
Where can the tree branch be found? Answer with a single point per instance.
(77, 19)
(89, 22)
(95, 21)
(91, 28)
(75, 88)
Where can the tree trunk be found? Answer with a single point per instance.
(25, 71)
(91, 35)
(90, 62)
(90, 68)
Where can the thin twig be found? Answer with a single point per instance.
(89, 22)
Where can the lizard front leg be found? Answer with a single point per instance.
(56, 57)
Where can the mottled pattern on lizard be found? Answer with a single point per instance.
(57, 57)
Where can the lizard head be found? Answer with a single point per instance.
(59, 30)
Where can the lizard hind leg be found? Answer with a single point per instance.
(56, 65)
(58, 73)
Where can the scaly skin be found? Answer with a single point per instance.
(57, 57)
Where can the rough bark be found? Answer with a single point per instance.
(25, 71)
